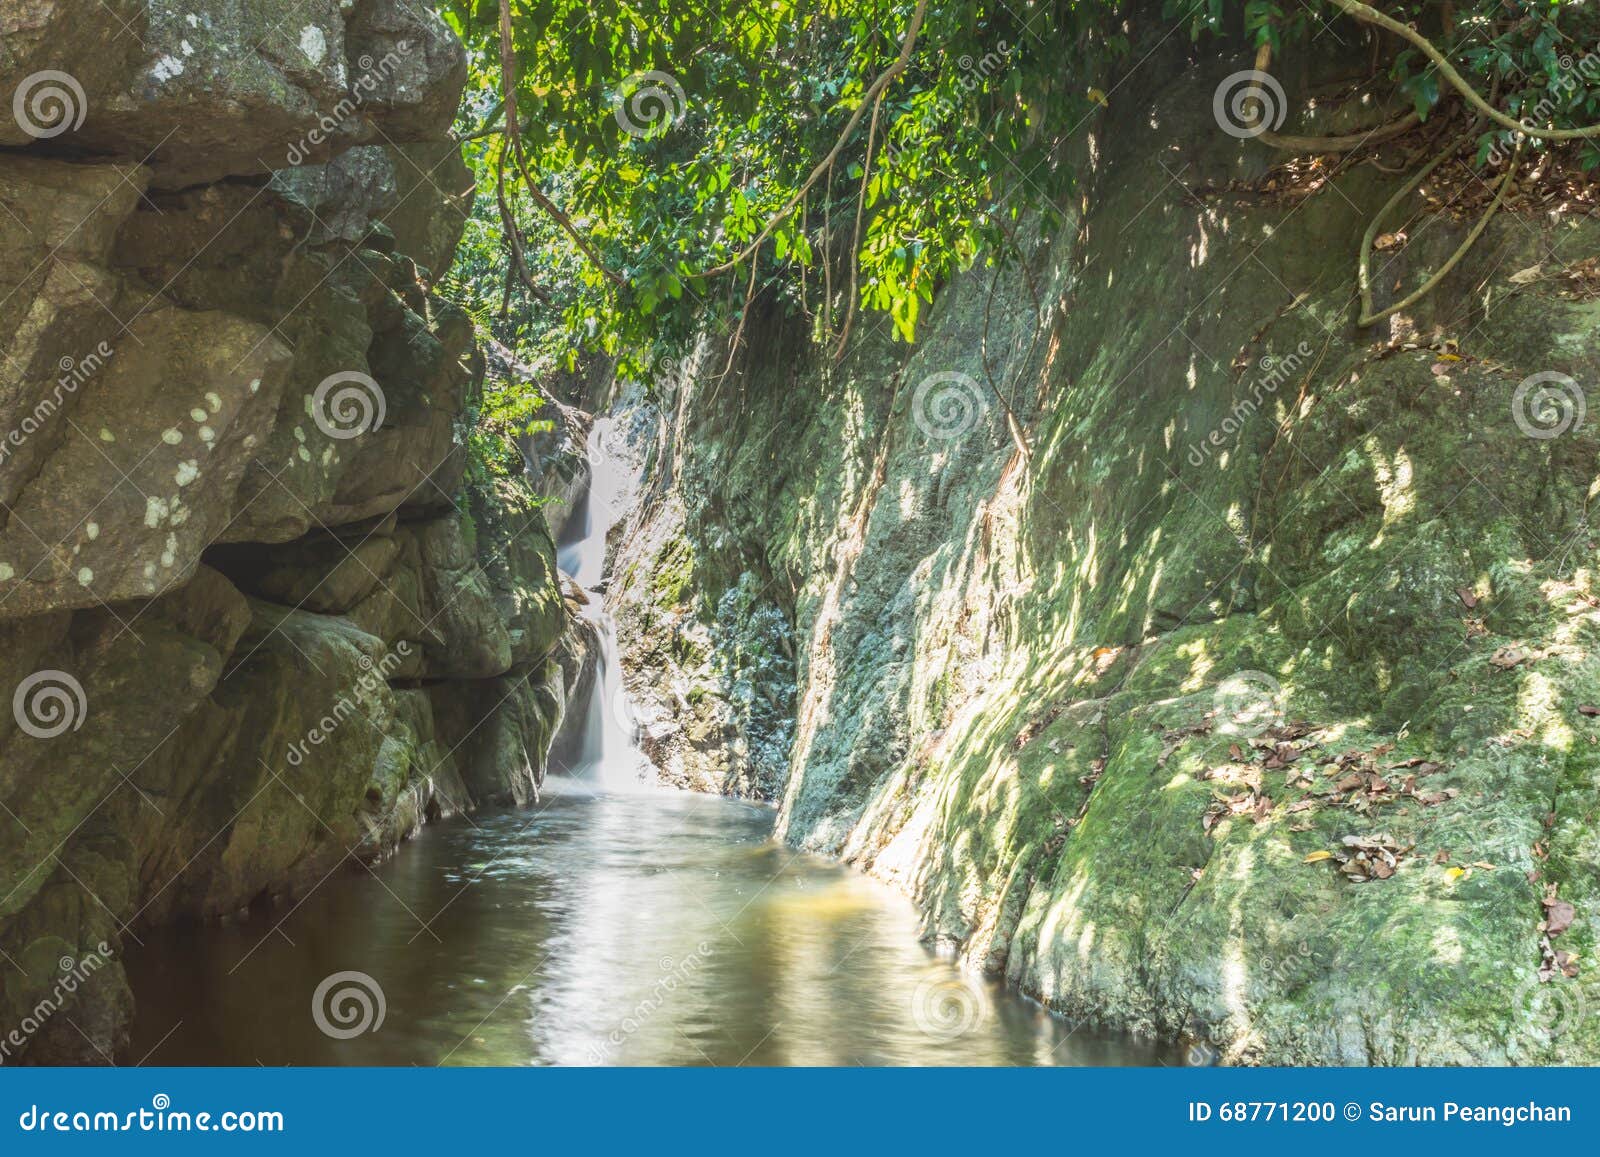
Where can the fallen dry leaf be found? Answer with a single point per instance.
(1507, 657)
(1558, 916)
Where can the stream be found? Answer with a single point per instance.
(612, 924)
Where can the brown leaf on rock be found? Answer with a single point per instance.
(1555, 962)
(1296, 730)
(1558, 916)
(1422, 766)
(1468, 599)
(1368, 858)
(1508, 657)
(1588, 710)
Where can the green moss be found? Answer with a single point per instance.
(673, 574)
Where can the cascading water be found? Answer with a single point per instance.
(609, 754)
(607, 926)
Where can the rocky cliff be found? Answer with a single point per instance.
(254, 624)
(1246, 694)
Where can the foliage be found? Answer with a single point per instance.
(765, 90)
(1538, 60)
(672, 133)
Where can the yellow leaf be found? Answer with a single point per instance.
(1098, 97)
(1317, 857)
(1455, 873)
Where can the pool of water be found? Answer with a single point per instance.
(597, 928)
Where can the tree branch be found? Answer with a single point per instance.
(1364, 266)
(1369, 15)
(885, 78)
(508, 98)
(855, 238)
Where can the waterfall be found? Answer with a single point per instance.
(609, 754)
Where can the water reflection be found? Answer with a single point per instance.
(598, 928)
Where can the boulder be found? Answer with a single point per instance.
(209, 89)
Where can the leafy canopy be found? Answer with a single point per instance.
(658, 141)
